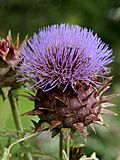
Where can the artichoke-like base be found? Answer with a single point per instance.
(71, 109)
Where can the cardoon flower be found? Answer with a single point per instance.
(67, 65)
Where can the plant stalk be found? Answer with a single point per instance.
(60, 146)
(17, 120)
(15, 112)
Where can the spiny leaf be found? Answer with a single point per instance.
(30, 97)
(106, 111)
(32, 113)
(106, 98)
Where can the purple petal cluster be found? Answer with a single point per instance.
(64, 55)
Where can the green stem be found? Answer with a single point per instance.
(17, 119)
(68, 144)
(6, 154)
(60, 146)
(15, 112)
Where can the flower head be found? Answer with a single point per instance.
(64, 54)
(9, 58)
(66, 63)
(8, 51)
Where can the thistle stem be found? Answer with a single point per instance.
(14, 110)
(17, 120)
(60, 146)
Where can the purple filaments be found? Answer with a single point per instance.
(64, 54)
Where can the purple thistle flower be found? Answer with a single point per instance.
(67, 64)
(64, 54)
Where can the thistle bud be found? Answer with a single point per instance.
(67, 65)
(9, 58)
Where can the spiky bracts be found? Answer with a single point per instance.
(67, 65)
(9, 58)
(75, 110)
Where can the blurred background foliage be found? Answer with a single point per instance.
(102, 16)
